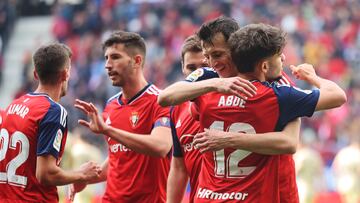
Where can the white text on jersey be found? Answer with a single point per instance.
(119, 147)
(231, 100)
(18, 109)
(203, 193)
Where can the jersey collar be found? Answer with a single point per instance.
(134, 97)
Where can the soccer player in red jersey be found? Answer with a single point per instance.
(186, 160)
(269, 143)
(33, 135)
(233, 174)
(136, 126)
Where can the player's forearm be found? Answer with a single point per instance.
(57, 176)
(145, 144)
(182, 91)
(331, 95)
(267, 143)
(176, 184)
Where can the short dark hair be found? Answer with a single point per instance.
(191, 44)
(49, 60)
(253, 43)
(133, 42)
(224, 25)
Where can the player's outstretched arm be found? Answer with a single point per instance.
(182, 91)
(331, 95)
(80, 186)
(158, 143)
(284, 142)
(48, 173)
(177, 181)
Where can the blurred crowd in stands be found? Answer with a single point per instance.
(7, 20)
(325, 33)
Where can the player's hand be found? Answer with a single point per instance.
(235, 86)
(90, 171)
(210, 140)
(75, 188)
(96, 123)
(304, 72)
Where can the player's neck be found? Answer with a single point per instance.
(257, 74)
(251, 76)
(132, 88)
(54, 92)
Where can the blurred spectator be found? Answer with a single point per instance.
(346, 166)
(77, 151)
(309, 168)
(7, 19)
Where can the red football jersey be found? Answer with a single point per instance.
(184, 127)
(32, 125)
(287, 174)
(135, 177)
(287, 178)
(232, 175)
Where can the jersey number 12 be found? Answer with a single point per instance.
(228, 166)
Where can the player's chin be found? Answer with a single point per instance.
(116, 83)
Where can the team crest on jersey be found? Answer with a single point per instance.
(164, 121)
(178, 124)
(134, 118)
(195, 74)
(108, 121)
(57, 140)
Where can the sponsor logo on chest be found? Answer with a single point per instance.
(187, 142)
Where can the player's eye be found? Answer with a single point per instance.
(191, 67)
(216, 55)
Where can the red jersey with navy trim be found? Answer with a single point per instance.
(135, 177)
(231, 175)
(184, 128)
(287, 175)
(32, 125)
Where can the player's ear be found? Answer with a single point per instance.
(35, 75)
(264, 66)
(138, 60)
(182, 67)
(64, 75)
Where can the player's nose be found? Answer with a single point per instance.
(205, 60)
(108, 65)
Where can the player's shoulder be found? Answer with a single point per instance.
(153, 90)
(39, 102)
(148, 94)
(55, 106)
(113, 98)
(56, 113)
(202, 74)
